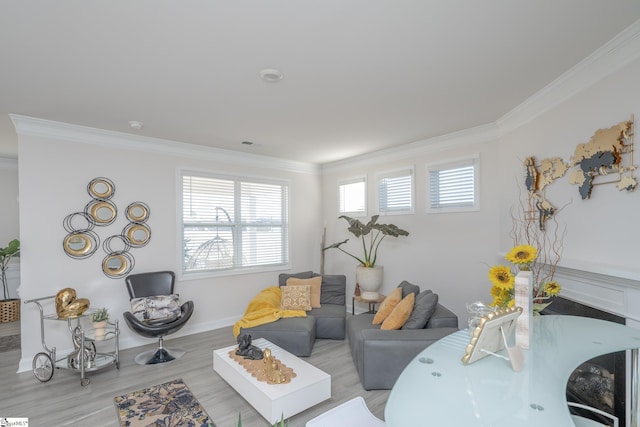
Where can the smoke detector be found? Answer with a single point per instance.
(136, 125)
(271, 75)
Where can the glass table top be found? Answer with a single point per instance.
(438, 388)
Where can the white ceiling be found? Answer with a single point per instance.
(359, 75)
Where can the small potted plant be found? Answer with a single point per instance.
(99, 319)
(10, 307)
(371, 234)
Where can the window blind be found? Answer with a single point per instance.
(231, 223)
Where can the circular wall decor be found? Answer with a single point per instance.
(137, 212)
(101, 188)
(137, 234)
(103, 212)
(80, 244)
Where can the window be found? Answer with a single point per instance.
(395, 192)
(453, 187)
(353, 197)
(233, 224)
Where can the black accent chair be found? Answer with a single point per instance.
(149, 284)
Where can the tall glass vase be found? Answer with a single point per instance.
(523, 289)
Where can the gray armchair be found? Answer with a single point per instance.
(152, 284)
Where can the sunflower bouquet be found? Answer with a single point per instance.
(523, 257)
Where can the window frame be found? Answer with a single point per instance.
(237, 180)
(397, 173)
(473, 161)
(349, 181)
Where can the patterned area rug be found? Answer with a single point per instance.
(166, 405)
(12, 342)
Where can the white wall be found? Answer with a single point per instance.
(54, 173)
(451, 253)
(447, 253)
(602, 232)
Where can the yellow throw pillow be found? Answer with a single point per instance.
(296, 298)
(400, 314)
(314, 282)
(387, 306)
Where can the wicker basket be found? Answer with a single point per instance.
(9, 310)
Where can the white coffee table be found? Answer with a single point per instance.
(309, 387)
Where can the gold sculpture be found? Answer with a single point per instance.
(272, 369)
(67, 305)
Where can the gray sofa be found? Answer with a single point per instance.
(380, 356)
(298, 334)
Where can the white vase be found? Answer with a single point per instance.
(369, 279)
(523, 298)
(99, 329)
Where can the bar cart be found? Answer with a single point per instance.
(84, 358)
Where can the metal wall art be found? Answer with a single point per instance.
(607, 158)
(82, 241)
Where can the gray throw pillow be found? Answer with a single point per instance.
(423, 309)
(282, 278)
(407, 288)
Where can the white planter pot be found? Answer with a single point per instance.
(369, 279)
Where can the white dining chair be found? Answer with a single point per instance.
(351, 413)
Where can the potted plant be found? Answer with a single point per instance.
(99, 319)
(9, 307)
(371, 234)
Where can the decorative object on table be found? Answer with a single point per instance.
(543, 288)
(272, 369)
(168, 404)
(87, 352)
(265, 371)
(477, 310)
(99, 319)
(368, 275)
(9, 307)
(524, 299)
(82, 241)
(248, 350)
(490, 336)
(357, 291)
(69, 305)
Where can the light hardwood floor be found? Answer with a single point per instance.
(63, 402)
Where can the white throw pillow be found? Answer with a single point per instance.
(156, 308)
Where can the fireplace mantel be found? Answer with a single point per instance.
(613, 290)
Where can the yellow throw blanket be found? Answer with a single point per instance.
(265, 308)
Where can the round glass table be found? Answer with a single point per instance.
(436, 388)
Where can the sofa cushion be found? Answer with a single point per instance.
(424, 307)
(409, 287)
(387, 306)
(400, 313)
(333, 289)
(296, 297)
(283, 277)
(314, 282)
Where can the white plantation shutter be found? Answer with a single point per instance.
(453, 186)
(232, 223)
(395, 192)
(352, 196)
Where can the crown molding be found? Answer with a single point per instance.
(466, 137)
(8, 164)
(110, 139)
(609, 58)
